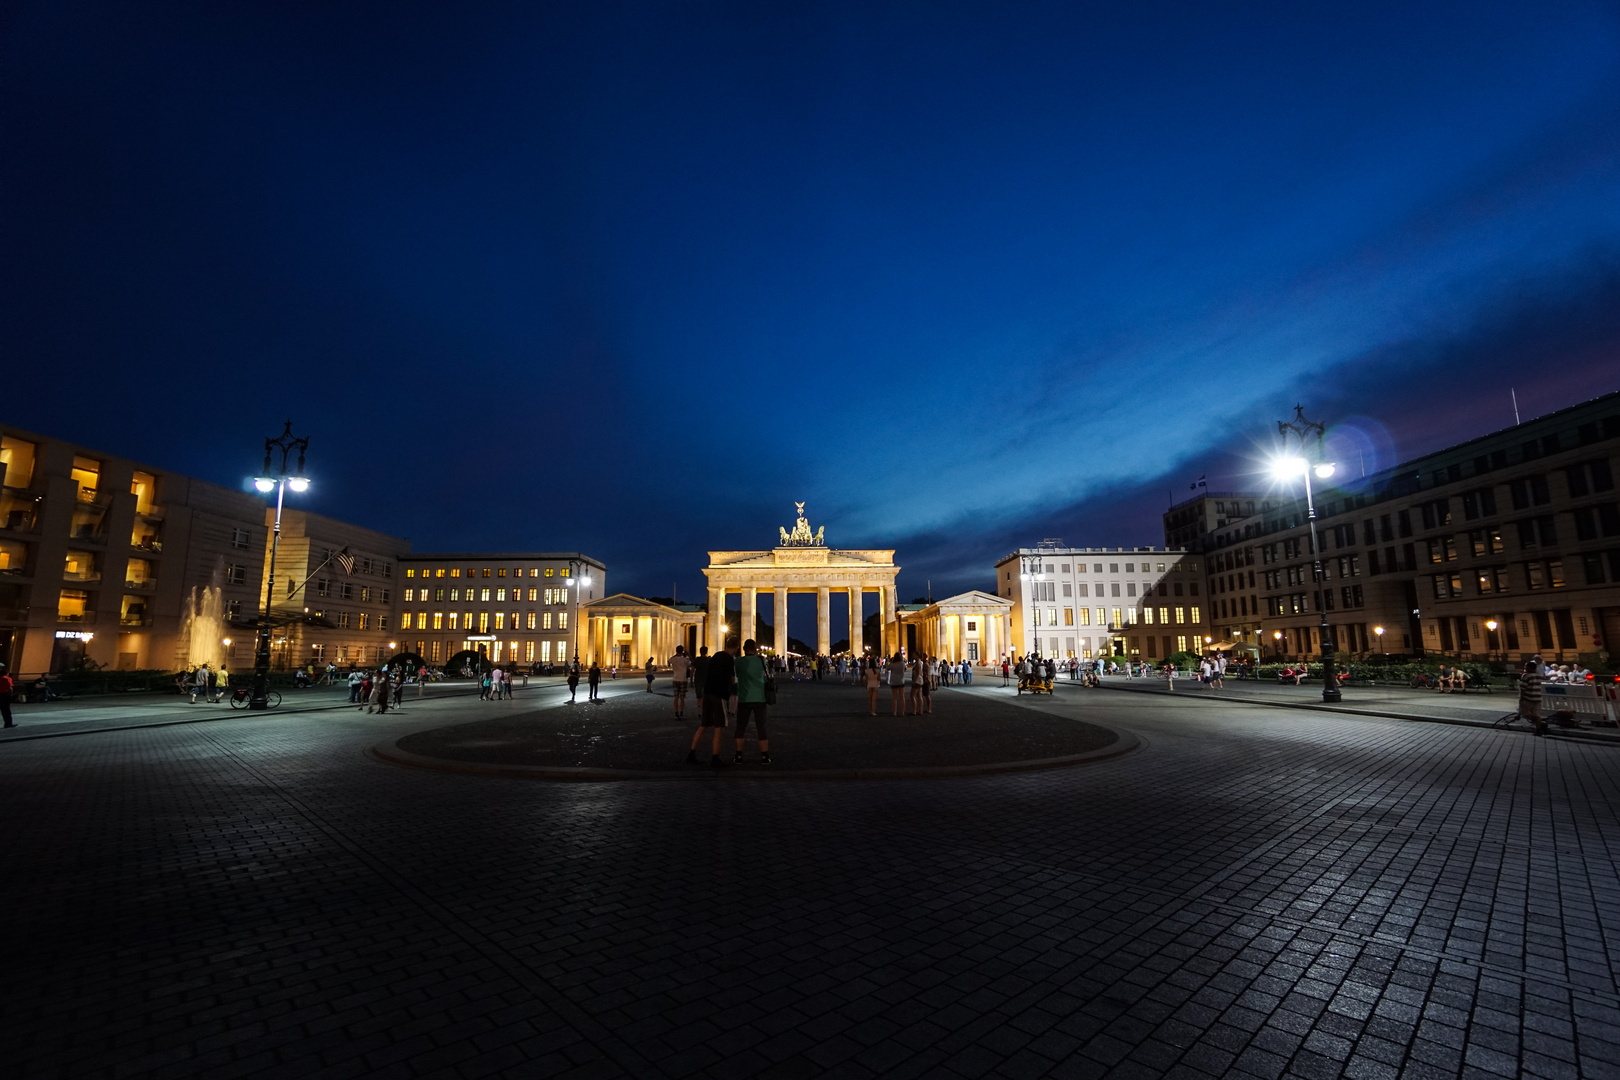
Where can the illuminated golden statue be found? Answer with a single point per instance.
(801, 535)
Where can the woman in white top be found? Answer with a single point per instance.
(874, 677)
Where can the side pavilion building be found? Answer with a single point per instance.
(801, 562)
(974, 626)
(628, 631)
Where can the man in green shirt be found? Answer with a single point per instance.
(751, 700)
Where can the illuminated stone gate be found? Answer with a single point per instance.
(801, 562)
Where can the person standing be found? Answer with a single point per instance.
(700, 673)
(398, 682)
(751, 705)
(380, 688)
(355, 679)
(1006, 671)
(718, 675)
(1530, 694)
(680, 670)
(897, 686)
(573, 681)
(594, 679)
(651, 671)
(874, 678)
(8, 689)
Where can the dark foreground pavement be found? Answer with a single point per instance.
(1256, 892)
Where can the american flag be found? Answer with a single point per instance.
(345, 560)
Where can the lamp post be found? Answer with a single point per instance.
(1276, 637)
(1299, 466)
(1379, 630)
(1490, 645)
(580, 580)
(275, 477)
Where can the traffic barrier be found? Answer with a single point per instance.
(1591, 702)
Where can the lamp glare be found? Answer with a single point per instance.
(299, 483)
(1324, 470)
(264, 484)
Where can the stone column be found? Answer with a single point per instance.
(855, 621)
(717, 618)
(745, 623)
(779, 617)
(886, 613)
(823, 621)
(643, 647)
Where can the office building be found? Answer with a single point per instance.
(1139, 603)
(1497, 548)
(515, 607)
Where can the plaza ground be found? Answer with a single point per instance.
(1257, 890)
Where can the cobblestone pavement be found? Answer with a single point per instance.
(1257, 892)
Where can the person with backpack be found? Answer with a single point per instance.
(718, 673)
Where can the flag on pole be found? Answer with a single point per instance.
(1200, 483)
(345, 560)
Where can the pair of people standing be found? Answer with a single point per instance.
(716, 676)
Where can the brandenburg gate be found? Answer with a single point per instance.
(800, 563)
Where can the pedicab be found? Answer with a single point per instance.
(1037, 681)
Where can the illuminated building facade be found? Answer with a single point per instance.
(515, 607)
(1139, 603)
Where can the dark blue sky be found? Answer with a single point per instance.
(633, 277)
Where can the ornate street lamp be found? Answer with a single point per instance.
(277, 478)
(1285, 468)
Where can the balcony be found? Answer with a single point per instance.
(149, 542)
(81, 575)
(13, 614)
(89, 496)
(144, 585)
(135, 620)
(76, 616)
(19, 509)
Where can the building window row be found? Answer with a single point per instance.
(496, 572)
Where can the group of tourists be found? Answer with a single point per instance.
(725, 687)
(204, 682)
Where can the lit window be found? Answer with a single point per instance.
(545, 623)
(483, 594)
(438, 573)
(452, 621)
(548, 571)
(405, 621)
(1068, 616)
(534, 594)
(1147, 616)
(486, 571)
(562, 620)
(501, 572)
(545, 652)
(455, 571)
(435, 656)
(1085, 616)
(531, 620)
(500, 594)
(410, 594)
(528, 653)
(1181, 615)
(500, 620)
(1196, 617)
(343, 619)
(410, 573)
(1164, 616)
(1118, 621)
(483, 622)
(364, 616)
(438, 620)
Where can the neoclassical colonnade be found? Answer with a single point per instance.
(800, 564)
(627, 630)
(974, 625)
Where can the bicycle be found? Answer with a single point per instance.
(241, 696)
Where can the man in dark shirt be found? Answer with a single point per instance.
(716, 679)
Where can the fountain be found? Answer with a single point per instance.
(204, 626)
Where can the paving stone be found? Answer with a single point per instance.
(1257, 893)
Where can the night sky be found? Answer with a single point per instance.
(632, 278)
